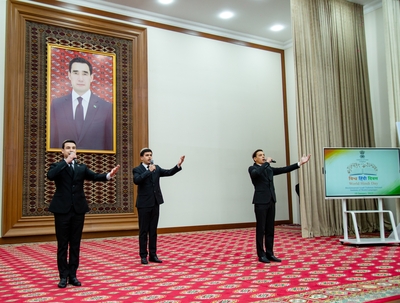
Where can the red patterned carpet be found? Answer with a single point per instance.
(213, 266)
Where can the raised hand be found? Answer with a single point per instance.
(181, 159)
(304, 159)
(114, 171)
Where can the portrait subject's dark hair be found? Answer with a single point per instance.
(145, 150)
(68, 141)
(80, 60)
(255, 153)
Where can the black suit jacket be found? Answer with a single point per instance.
(149, 191)
(69, 187)
(262, 177)
(97, 128)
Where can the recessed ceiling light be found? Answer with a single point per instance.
(277, 28)
(165, 1)
(226, 15)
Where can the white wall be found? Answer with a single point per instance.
(375, 39)
(377, 74)
(3, 10)
(216, 103)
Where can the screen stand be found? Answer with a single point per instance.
(367, 240)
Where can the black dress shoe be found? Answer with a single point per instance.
(263, 260)
(62, 283)
(144, 261)
(74, 281)
(155, 259)
(275, 259)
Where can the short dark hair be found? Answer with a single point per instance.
(80, 60)
(145, 150)
(255, 153)
(68, 141)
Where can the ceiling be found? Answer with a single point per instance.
(251, 22)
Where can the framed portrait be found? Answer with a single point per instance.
(81, 102)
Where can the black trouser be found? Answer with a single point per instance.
(148, 222)
(69, 228)
(265, 224)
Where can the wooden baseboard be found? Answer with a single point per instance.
(184, 229)
(129, 233)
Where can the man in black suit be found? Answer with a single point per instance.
(264, 199)
(69, 206)
(149, 197)
(81, 115)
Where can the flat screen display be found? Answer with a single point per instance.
(361, 172)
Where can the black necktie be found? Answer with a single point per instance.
(79, 115)
(71, 168)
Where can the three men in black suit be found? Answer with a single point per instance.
(81, 115)
(149, 197)
(69, 206)
(264, 199)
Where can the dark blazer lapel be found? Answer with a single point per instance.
(154, 174)
(66, 108)
(142, 168)
(270, 173)
(77, 170)
(70, 171)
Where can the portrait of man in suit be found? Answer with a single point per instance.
(81, 115)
